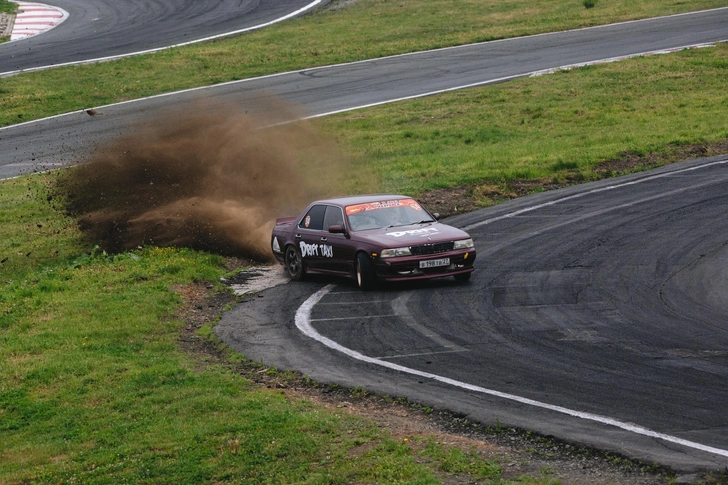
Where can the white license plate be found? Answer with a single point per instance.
(434, 263)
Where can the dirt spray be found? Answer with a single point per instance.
(206, 176)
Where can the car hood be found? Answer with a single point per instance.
(412, 235)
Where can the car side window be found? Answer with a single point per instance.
(314, 218)
(333, 217)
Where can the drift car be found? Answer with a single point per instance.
(372, 238)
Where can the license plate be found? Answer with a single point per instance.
(434, 263)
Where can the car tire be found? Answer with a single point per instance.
(462, 277)
(365, 277)
(294, 264)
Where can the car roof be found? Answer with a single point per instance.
(361, 199)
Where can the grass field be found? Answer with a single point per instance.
(362, 30)
(94, 384)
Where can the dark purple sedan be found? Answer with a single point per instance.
(372, 238)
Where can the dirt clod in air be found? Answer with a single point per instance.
(204, 176)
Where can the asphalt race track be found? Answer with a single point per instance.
(604, 304)
(57, 141)
(107, 28)
(596, 313)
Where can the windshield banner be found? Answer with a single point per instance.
(385, 204)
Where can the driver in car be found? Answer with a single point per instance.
(393, 217)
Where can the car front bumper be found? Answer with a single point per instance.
(408, 267)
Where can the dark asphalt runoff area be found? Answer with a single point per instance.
(55, 142)
(107, 28)
(598, 311)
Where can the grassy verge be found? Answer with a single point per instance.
(362, 30)
(8, 7)
(557, 129)
(95, 388)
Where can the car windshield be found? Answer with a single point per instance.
(389, 213)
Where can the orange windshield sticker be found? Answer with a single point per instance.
(385, 204)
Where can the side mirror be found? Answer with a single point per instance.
(337, 229)
(436, 215)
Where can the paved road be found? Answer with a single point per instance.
(607, 299)
(106, 28)
(57, 141)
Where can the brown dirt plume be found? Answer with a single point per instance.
(204, 176)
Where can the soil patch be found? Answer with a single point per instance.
(339, 4)
(453, 201)
(6, 25)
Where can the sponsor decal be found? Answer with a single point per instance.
(307, 221)
(326, 251)
(308, 249)
(316, 250)
(385, 204)
(414, 232)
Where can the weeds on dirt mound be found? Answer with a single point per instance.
(211, 178)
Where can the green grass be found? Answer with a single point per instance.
(365, 29)
(94, 386)
(549, 127)
(8, 7)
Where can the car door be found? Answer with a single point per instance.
(308, 237)
(337, 251)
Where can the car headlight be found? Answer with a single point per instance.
(391, 253)
(464, 244)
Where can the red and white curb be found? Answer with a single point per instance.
(35, 18)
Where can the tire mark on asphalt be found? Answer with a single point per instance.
(399, 305)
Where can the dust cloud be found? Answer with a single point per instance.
(205, 176)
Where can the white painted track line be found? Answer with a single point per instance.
(303, 323)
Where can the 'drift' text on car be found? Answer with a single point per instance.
(372, 238)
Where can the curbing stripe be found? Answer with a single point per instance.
(35, 18)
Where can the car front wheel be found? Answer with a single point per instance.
(294, 264)
(365, 277)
